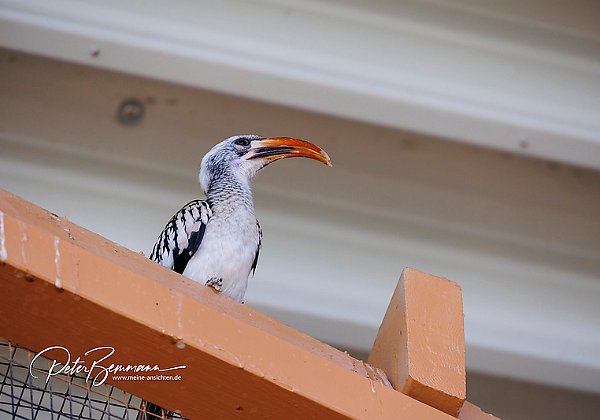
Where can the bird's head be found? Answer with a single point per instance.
(244, 155)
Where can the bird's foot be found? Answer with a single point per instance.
(216, 283)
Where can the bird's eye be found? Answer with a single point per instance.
(242, 141)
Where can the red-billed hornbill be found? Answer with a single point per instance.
(216, 241)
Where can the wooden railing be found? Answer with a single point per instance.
(63, 285)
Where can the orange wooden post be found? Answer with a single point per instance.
(420, 344)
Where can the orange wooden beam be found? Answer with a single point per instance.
(63, 285)
(472, 412)
(420, 344)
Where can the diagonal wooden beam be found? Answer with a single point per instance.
(63, 285)
(472, 412)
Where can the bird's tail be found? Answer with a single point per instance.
(149, 411)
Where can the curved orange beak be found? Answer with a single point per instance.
(276, 148)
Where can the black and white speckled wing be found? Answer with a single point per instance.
(182, 236)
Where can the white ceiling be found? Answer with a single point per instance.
(517, 76)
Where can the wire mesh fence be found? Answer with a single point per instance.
(26, 394)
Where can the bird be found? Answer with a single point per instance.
(216, 241)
